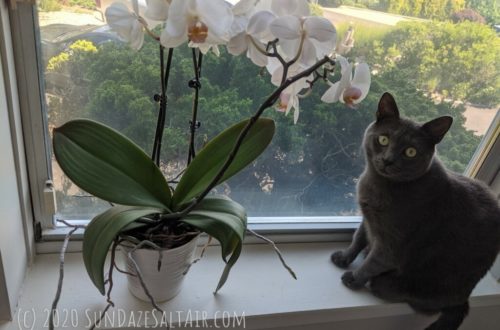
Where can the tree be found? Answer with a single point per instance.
(460, 61)
(489, 9)
(310, 168)
(468, 14)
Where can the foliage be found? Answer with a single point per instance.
(468, 14)
(321, 153)
(88, 4)
(433, 9)
(489, 9)
(49, 5)
(315, 9)
(460, 61)
(108, 165)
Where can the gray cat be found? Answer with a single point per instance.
(430, 235)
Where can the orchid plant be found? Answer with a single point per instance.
(298, 50)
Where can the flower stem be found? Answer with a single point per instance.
(271, 99)
(196, 84)
(160, 124)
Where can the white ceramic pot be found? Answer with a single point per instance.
(166, 283)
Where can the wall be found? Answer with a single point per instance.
(12, 246)
(16, 248)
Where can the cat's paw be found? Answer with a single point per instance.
(340, 259)
(352, 282)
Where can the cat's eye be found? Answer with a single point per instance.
(383, 140)
(410, 152)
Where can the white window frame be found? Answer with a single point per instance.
(482, 165)
(34, 122)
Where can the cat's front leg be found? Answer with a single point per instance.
(376, 262)
(345, 257)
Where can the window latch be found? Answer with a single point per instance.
(49, 197)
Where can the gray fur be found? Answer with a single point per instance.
(430, 234)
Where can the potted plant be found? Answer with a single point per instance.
(149, 212)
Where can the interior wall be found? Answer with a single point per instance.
(12, 243)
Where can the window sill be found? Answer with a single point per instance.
(258, 287)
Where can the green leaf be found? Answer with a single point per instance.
(101, 232)
(108, 165)
(226, 221)
(211, 158)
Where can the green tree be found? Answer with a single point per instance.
(305, 165)
(489, 9)
(461, 61)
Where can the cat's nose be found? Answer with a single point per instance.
(387, 161)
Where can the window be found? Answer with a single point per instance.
(310, 171)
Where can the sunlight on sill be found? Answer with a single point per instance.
(258, 287)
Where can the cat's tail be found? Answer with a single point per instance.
(450, 318)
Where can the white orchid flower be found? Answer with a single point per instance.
(289, 98)
(314, 37)
(251, 40)
(157, 10)
(350, 89)
(129, 25)
(197, 21)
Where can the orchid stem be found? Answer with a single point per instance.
(271, 99)
(196, 84)
(162, 98)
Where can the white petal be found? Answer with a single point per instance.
(243, 7)
(331, 95)
(263, 5)
(308, 56)
(216, 15)
(345, 67)
(215, 50)
(177, 21)
(238, 44)
(283, 7)
(289, 48)
(120, 19)
(286, 27)
(137, 36)
(258, 25)
(204, 48)
(272, 65)
(361, 74)
(239, 25)
(361, 80)
(169, 41)
(256, 56)
(301, 8)
(276, 75)
(157, 10)
(135, 6)
(323, 48)
(296, 111)
(320, 28)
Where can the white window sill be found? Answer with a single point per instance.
(258, 287)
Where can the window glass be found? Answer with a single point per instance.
(435, 61)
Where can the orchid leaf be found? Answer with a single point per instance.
(101, 232)
(108, 165)
(207, 163)
(226, 221)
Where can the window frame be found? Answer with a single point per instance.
(24, 35)
(38, 149)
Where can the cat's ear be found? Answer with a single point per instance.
(438, 127)
(387, 108)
